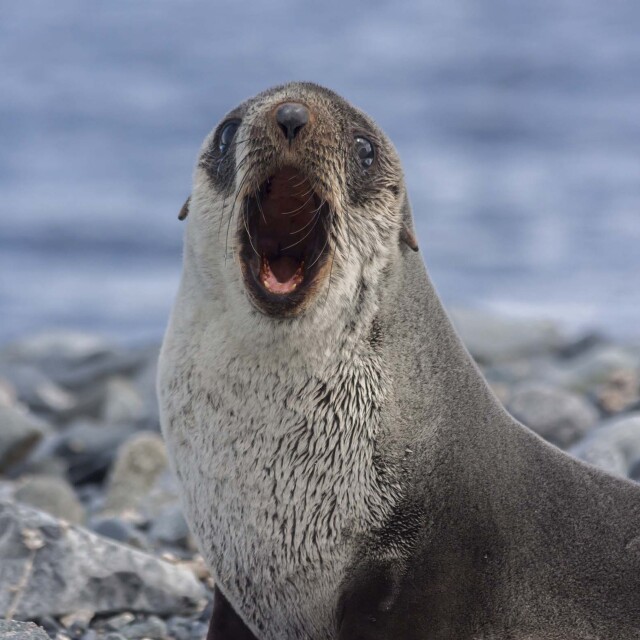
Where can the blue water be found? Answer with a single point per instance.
(518, 124)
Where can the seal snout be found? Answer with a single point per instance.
(291, 118)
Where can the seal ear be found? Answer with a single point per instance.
(407, 233)
(184, 212)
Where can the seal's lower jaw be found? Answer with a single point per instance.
(284, 243)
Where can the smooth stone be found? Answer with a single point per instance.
(12, 630)
(140, 461)
(559, 416)
(153, 628)
(180, 628)
(89, 448)
(60, 345)
(53, 495)
(491, 338)
(163, 494)
(119, 530)
(75, 569)
(170, 527)
(8, 394)
(116, 623)
(620, 392)
(595, 367)
(122, 402)
(20, 432)
(41, 394)
(614, 446)
(145, 383)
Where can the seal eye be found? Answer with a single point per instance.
(365, 151)
(226, 135)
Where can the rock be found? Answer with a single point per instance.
(63, 568)
(145, 383)
(89, 448)
(492, 339)
(12, 630)
(559, 416)
(620, 391)
(50, 494)
(77, 621)
(122, 402)
(140, 462)
(38, 391)
(614, 447)
(180, 628)
(153, 628)
(596, 367)
(56, 345)
(115, 623)
(119, 530)
(8, 395)
(163, 494)
(170, 527)
(19, 434)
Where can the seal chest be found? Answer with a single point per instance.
(278, 478)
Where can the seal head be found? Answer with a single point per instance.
(298, 186)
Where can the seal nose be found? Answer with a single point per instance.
(291, 117)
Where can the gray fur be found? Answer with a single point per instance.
(347, 472)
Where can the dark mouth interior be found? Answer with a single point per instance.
(285, 227)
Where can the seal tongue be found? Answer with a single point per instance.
(284, 268)
(281, 274)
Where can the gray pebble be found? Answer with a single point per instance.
(139, 463)
(153, 628)
(170, 527)
(20, 432)
(12, 630)
(614, 446)
(50, 494)
(75, 569)
(119, 530)
(491, 338)
(89, 448)
(561, 417)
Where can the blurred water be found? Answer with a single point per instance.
(518, 124)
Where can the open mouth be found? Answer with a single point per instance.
(284, 240)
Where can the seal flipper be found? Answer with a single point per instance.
(184, 212)
(225, 622)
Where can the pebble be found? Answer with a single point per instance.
(614, 446)
(69, 568)
(153, 628)
(120, 530)
(53, 495)
(122, 402)
(89, 448)
(139, 463)
(561, 417)
(20, 432)
(170, 527)
(12, 630)
(492, 338)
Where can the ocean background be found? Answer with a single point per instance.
(518, 124)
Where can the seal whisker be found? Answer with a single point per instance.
(315, 213)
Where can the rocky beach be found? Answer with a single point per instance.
(93, 544)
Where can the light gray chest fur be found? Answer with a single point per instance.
(279, 478)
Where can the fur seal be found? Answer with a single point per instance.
(343, 465)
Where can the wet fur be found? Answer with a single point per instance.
(348, 473)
